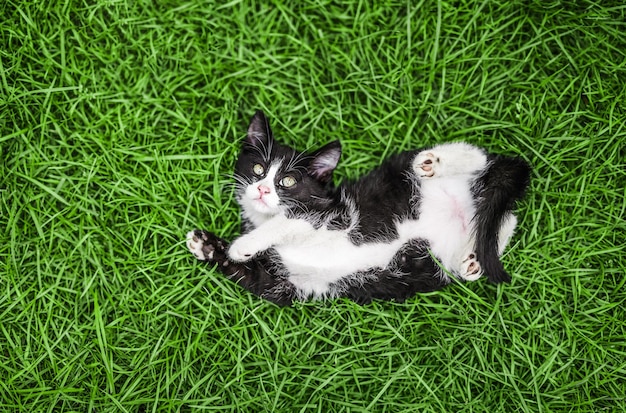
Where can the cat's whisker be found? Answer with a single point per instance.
(242, 180)
(295, 204)
(297, 158)
(262, 151)
(233, 187)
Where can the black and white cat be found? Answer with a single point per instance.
(366, 239)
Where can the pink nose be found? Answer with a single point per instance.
(263, 190)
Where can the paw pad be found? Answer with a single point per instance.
(471, 269)
(425, 164)
(204, 245)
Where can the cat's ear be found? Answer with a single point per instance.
(325, 161)
(259, 132)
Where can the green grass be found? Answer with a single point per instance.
(119, 127)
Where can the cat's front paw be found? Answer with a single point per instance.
(470, 268)
(206, 246)
(244, 248)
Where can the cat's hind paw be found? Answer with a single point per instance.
(206, 246)
(470, 268)
(425, 164)
(449, 159)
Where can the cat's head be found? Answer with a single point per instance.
(273, 178)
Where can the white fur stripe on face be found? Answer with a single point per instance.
(268, 181)
(255, 210)
(273, 170)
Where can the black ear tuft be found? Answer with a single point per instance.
(325, 161)
(259, 132)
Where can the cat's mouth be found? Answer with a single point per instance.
(261, 205)
(266, 207)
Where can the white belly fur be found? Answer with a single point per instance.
(445, 220)
(326, 256)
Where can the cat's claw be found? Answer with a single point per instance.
(425, 164)
(204, 245)
(470, 268)
(195, 244)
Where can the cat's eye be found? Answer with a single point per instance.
(258, 169)
(287, 181)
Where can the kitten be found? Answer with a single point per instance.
(369, 238)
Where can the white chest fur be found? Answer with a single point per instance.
(325, 256)
(445, 220)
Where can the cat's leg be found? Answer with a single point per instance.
(411, 271)
(257, 275)
(274, 232)
(471, 269)
(449, 159)
(507, 228)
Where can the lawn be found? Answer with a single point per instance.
(119, 126)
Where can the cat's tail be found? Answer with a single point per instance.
(502, 184)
